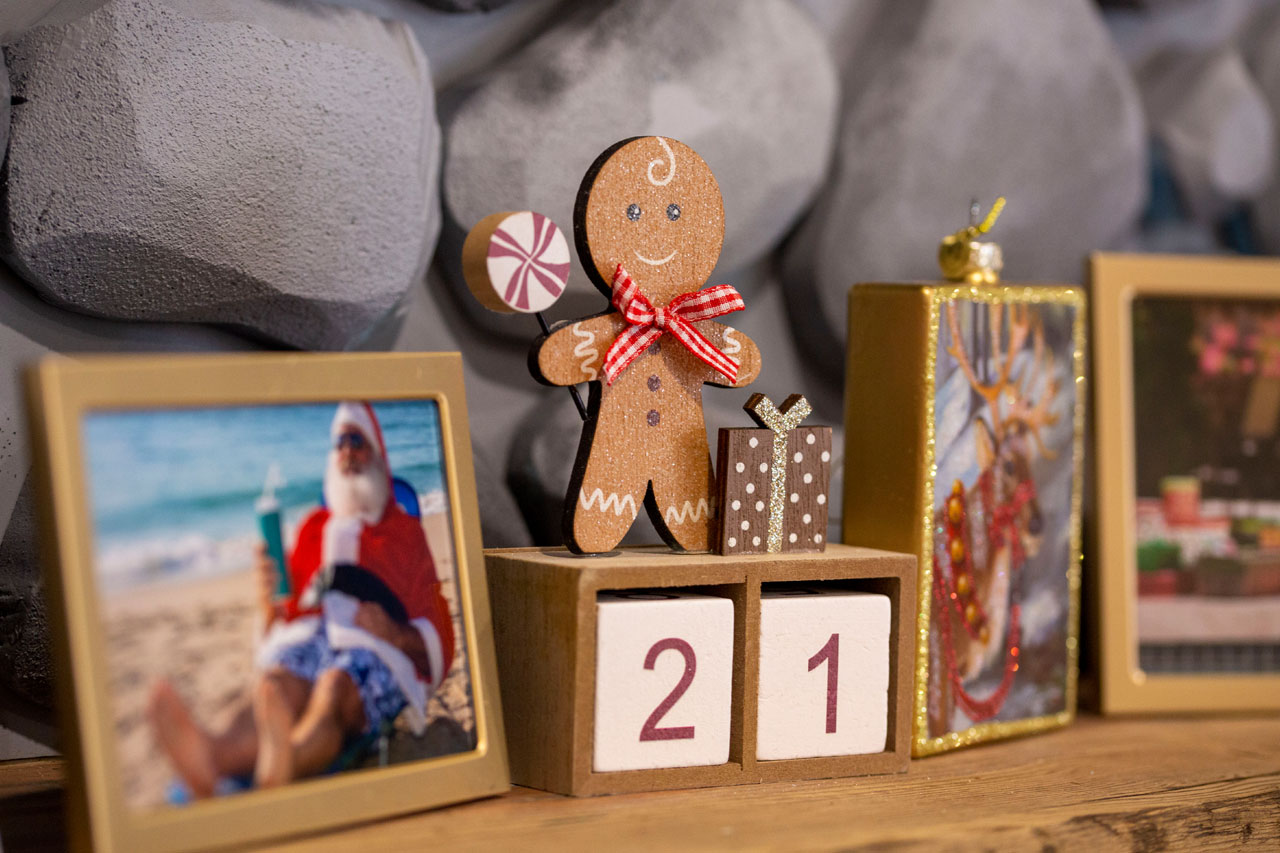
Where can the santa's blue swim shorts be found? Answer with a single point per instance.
(382, 697)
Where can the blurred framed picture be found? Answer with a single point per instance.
(268, 579)
(1187, 356)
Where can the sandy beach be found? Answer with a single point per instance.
(201, 635)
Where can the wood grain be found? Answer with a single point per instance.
(1141, 786)
(1098, 785)
(28, 775)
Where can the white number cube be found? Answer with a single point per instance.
(824, 673)
(664, 672)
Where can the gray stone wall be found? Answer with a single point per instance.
(248, 174)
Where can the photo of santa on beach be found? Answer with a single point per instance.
(279, 596)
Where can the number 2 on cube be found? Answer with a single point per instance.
(830, 653)
(650, 729)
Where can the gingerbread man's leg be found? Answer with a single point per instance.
(606, 491)
(681, 502)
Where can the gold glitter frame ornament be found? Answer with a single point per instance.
(962, 459)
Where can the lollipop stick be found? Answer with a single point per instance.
(573, 389)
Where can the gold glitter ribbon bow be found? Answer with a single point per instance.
(780, 421)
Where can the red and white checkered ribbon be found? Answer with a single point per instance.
(677, 317)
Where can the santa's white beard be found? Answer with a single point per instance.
(361, 495)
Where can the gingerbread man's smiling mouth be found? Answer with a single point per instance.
(654, 263)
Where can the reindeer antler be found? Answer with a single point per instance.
(1019, 328)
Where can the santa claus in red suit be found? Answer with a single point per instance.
(364, 638)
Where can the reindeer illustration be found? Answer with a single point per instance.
(985, 531)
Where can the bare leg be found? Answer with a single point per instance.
(189, 747)
(274, 717)
(235, 751)
(200, 757)
(334, 712)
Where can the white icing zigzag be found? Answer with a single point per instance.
(606, 504)
(687, 513)
(585, 351)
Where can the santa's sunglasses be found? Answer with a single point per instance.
(354, 440)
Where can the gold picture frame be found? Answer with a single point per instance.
(1117, 281)
(62, 394)
(892, 460)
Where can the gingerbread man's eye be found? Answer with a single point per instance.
(633, 212)
(673, 211)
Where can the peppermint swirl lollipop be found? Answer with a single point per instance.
(516, 262)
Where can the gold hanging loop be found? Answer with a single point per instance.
(964, 258)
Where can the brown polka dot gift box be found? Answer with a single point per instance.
(773, 482)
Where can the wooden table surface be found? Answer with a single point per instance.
(1141, 785)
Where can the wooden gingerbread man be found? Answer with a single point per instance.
(649, 224)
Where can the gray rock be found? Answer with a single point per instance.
(950, 101)
(459, 46)
(750, 87)
(243, 162)
(1215, 125)
(843, 23)
(467, 5)
(16, 351)
(501, 523)
(1185, 26)
(26, 667)
(21, 15)
(1264, 54)
(1178, 237)
(5, 96)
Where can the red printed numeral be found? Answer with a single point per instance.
(831, 654)
(650, 730)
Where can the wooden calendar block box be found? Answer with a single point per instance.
(555, 635)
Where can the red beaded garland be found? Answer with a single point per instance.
(954, 584)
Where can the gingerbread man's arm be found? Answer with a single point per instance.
(574, 351)
(737, 346)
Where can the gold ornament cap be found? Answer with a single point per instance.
(964, 258)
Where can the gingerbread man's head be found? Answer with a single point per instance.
(652, 205)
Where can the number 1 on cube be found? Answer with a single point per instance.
(830, 653)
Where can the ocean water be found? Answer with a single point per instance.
(172, 491)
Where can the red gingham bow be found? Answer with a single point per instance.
(647, 324)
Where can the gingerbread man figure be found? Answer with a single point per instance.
(649, 224)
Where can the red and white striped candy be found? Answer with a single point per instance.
(516, 262)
